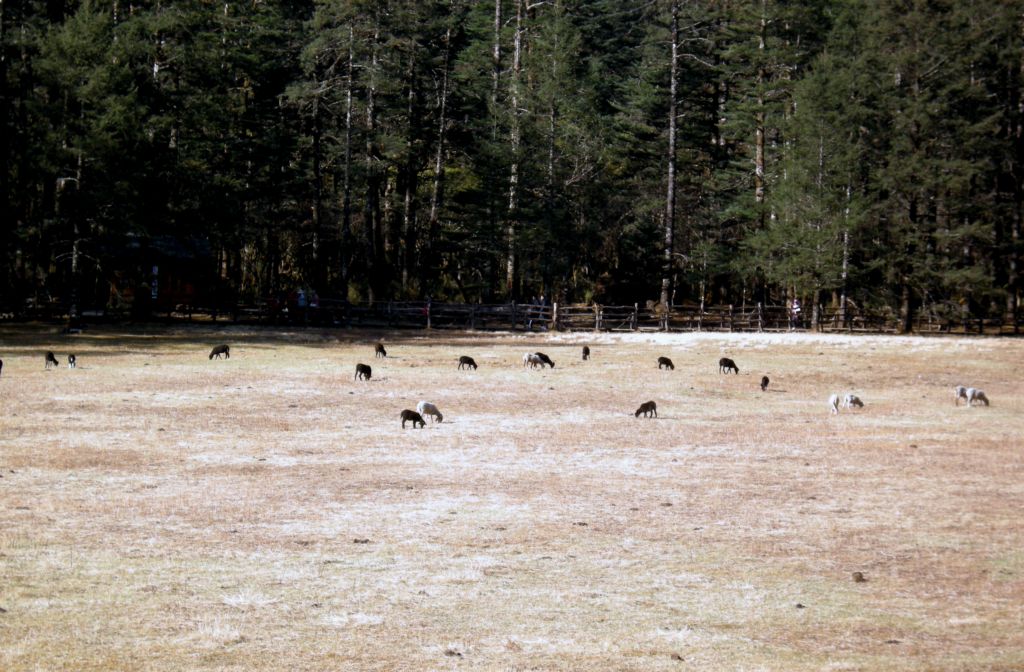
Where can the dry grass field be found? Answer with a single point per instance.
(160, 511)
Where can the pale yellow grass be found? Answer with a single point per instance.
(159, 511)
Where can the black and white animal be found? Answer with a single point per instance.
(725, 364)
(427, 408)
(219, 350)
(72, 361)
(51, 359)
(764, 383)
(532, 360)
(379, 351)
(976, 395)
(852, 400)
(648, 408)
(363, 372)
(413, 416)
(833, 404)
(467, 361)
(666, 363)
(959, 392)
(544, 358)
(586, 352)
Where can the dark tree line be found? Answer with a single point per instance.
(854, 153)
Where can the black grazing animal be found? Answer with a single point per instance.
(379, 351)
(363, 372)
(586, 352)
(544, 358)
(413, 416)
(764, 383)
(467, 361)
(219, 350)
(1, 366)
(647, 408)
(666, 363)
(50, 359)
(724, 364)
(72, 361)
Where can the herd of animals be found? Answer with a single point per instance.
(970, 395)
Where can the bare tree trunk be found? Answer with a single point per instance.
(371, 221)
(511, 268)
(670, 198)
(437, 191)
(346, 199)
(408, 243)
(759, 118)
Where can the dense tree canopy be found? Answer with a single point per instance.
(843, 151)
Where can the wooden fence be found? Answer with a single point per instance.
(576, 317)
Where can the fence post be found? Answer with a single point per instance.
(731, 318)
(429, 324)
(636, 315)
(472, 317)
(513, 316)
(554, 316)
(597, 317)
(760, 317)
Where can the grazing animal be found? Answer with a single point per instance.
(976, 395)
(648, 408)
(1, 366)
(724, 364)
(466, 361)
(764, 383)
(586, 352)
(666, 363)
(50, 359)
(379, 351)
(413, 416)
(72, 361)
(531, 360)
(427, 408)
(959, 392)
(833, 404)
(219, 350)
(544, 358)
(851, 400)
(363, 372)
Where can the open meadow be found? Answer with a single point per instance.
(162, 511)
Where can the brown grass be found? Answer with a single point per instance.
(161, 511)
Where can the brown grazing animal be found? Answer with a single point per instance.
(647, 408)
(379, 351)
(467, 361)
(412, 416)
(724, 364)
(363, 372)
(72, 361)
(586, 352)
(764, 383)
(666, 363)
(219, 350)
(51, 359)
(544, 358)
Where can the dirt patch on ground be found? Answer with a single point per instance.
(163, 511)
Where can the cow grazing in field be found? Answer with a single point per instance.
(586, 352)
(467, 362)
(666, 363)
(379, 351)
(764, 383)
(72, 361)
(51, 359)
(833, 404)
(544, 358)
(218, 350)
(648, 408)
(852, 401)
(725, 365)
(363, 372)
(976, 395)
(427, 408)
(412, 416)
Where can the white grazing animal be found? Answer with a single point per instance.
(833, 404)
(426, 408)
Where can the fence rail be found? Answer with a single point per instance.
(561, 317)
